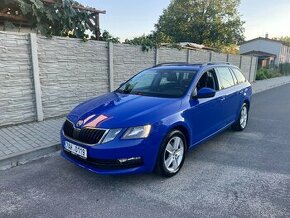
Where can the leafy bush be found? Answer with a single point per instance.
(267, 74)
(61, 18)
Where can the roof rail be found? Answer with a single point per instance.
(190, 64)
(178, 64)
(215, 63)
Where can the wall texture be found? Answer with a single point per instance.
(172, 55)
(128, 60)
(17, 101)
(71, 71)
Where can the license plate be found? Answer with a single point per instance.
(76, 150)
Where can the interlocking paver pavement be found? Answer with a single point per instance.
(26, 137)
(22, 138)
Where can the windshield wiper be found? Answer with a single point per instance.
(123, 91)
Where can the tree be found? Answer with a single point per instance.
(106, 36)
(283, 38)
(62, 18)
(150, 41)
(210, 22)
(146, 41)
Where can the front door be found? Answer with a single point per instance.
(205, 115)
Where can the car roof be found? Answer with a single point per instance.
(191, 66)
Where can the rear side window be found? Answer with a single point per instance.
(240, 77)
(225, 77)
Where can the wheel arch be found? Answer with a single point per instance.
(247, 101)
(184, 129)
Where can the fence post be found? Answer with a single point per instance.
(250, 72)
(241, 59)
(256, 69)
(111, 66)
(228, 57)
(188, 56)
(210, 56)
(36, 79)
(156, 55)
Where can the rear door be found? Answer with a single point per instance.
(242, 89)
(229, 93)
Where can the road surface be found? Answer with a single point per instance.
(243, 174)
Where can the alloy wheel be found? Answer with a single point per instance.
(173, 154)
(244, 116)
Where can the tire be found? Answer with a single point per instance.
(242, 122)
(172, 154)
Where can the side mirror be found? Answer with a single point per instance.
(206, 93)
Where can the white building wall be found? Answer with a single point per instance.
(263, 46)
(285, 54)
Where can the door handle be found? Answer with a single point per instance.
(222, 98)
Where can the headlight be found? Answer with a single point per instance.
(138, 132)
(111, 135)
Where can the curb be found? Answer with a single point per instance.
(26, 156)
(270, 87)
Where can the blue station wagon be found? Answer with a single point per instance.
(151, 121)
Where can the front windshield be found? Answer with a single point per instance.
(168, 83)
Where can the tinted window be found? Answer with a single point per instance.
(159, 82)
(239, 75)
(225, 77)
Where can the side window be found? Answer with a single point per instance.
(239, 75)
(234, 77)
(208, 79)
(225, 77)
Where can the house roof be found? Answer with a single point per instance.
(259, 54)
(266, 39)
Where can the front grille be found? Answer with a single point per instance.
(84, 135)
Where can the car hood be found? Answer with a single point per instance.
(116, 110)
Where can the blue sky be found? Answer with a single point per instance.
(129, 18)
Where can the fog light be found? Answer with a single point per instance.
(129, 160)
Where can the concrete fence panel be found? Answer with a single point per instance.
(198, 56)
(218, 57)
(172, 55)
(246, 66)
(129, 60)
(235, 60)
(254, 68)
(71, 71)
(17, 100)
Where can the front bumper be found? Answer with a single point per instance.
(118, 156)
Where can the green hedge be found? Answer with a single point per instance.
(282, 70)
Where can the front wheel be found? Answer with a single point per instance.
(172, 154)
(242, 122)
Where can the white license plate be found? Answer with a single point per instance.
(76, 150)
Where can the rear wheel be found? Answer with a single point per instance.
(172, 154)
(242, 122)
